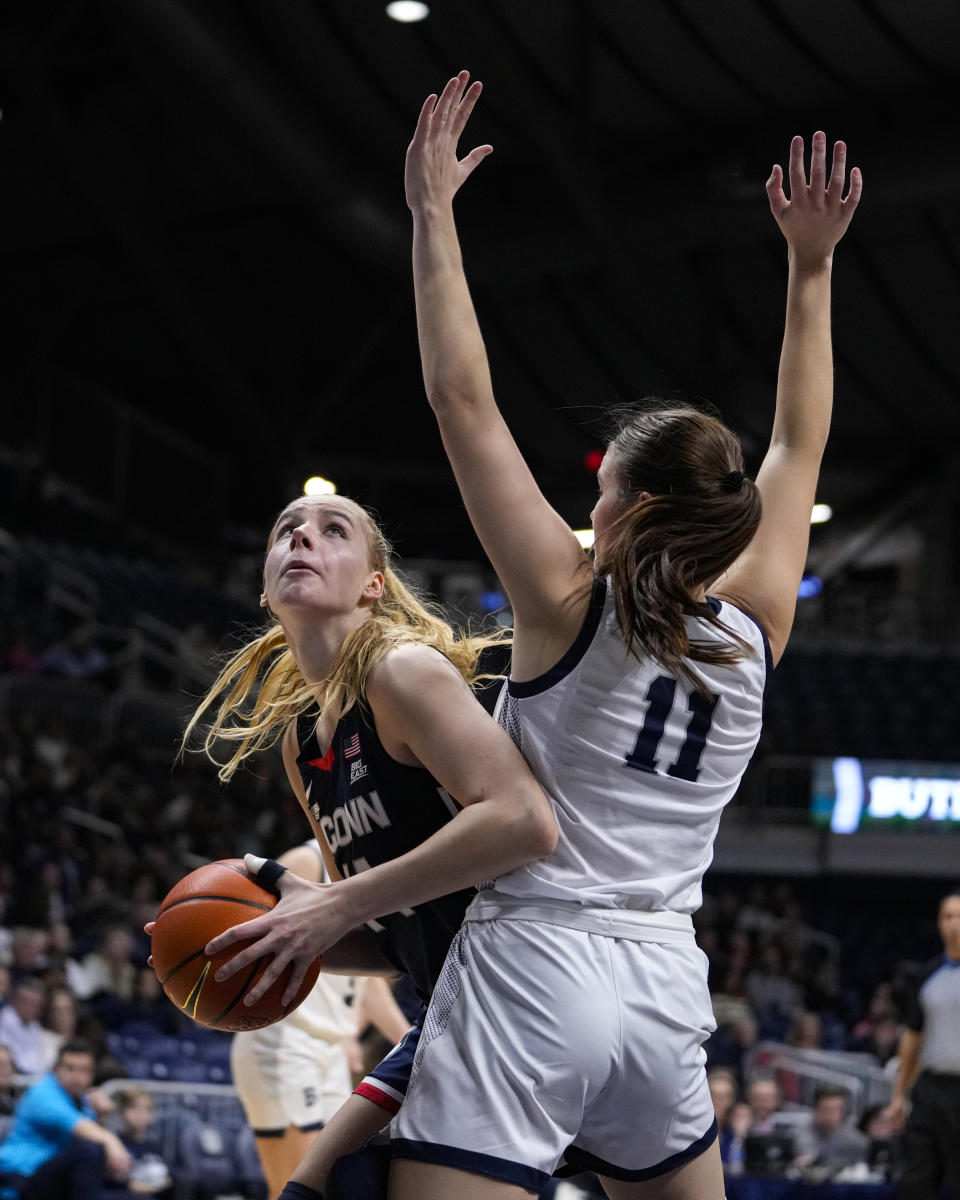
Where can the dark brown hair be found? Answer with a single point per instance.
(699, 517)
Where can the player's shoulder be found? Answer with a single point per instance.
(408, 668)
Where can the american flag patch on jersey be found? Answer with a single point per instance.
(351, 748)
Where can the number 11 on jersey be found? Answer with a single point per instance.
(660, 700)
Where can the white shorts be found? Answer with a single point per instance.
(285, 1076)
(544, 1042)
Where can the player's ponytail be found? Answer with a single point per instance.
(699, 514)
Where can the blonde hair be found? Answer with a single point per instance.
(261, 690)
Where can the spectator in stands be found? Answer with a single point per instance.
(805, 1032)
(770, 990)
(29, 953)
(765, 1101)
(109, 968)
(59, 1021)
(879, 1032)
(56, 1148)
(20, 1027)
(149, 1173)
(929, 1070)
(147, 1006)
(64, 967)
(7, 1071)
(827, 1142)
(733, 1118)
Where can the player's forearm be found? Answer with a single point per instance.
(805, 379)
(456, 373)
(485, 840)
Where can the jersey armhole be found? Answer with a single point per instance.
(716, 604)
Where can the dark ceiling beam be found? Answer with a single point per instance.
(111, 210)
(287, 138)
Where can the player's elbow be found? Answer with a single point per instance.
(537, 830)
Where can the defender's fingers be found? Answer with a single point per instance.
(448, 98)
(474, 159)
(838, 171)
(853, 195)
(465, 108)
(426, 116)
(775, 192)
(818, 163)
(798, 179)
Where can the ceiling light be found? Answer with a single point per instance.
(407, 11)
(316, 485)
(584, 537)
(821, 513)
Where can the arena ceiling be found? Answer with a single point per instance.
(206, 290)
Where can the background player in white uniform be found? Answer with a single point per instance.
(573, 1007)
(292, 1076)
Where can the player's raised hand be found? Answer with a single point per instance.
(817, 213)
(434, 174)
(308, 918)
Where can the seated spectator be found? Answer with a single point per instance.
(768, 1148)
(765, 1101)
(64, 968)
(149, 1174)
(20, 1027)
(29, 951)
(56, 1148)
(8, 1096)
(733, 1119)
(805, 1032)
(878, 1032)
(109, 968)
(148, 1006)
(827, 1143)
(59, 1021)
(770, 990)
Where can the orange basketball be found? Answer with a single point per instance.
(203, 904)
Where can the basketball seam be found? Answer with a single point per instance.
(211, 896)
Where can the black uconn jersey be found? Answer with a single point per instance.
(372, 809)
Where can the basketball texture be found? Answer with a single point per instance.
(203, 904)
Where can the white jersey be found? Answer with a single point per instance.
(638, 766)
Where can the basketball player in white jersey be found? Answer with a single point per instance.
(570, 1017)
(292, 1076)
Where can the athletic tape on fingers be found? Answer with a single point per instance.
(266, 872)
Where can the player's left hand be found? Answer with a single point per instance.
(307, 919)
(434, 174)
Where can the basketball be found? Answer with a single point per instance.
(202, 905)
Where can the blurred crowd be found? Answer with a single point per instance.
(95, 835)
